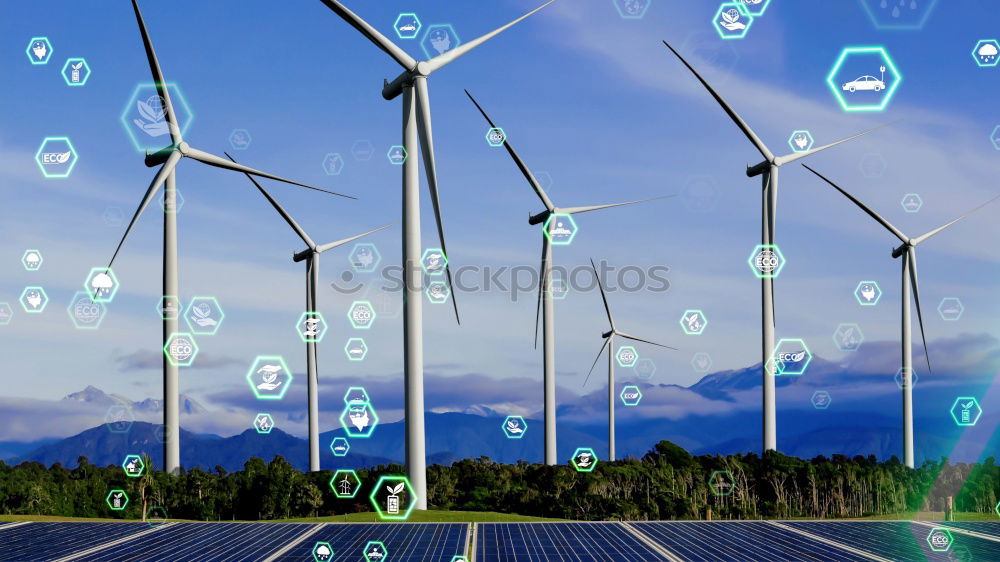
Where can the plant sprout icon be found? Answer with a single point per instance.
(392, 502)
(693, 322)
(152, 113)
(731, 20)
(513, 426)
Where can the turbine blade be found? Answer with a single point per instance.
(606, 340)
(213, 160)
(158, 81)
(923, 237)
(158, 179)
(331, 245)
(603, 296)
(281, 211)
(541, 283)
(782, 160)
(448, 56)
(633, 338)
(912, 254)
(871, 213)
(752, 136)
(430, 168)
(517, 160)
(380, 41)
(576, 210)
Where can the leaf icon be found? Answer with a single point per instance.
(77, 65)
(798, 356)
(148, 112)
(63, 157)
(397, 489)
(731, 16)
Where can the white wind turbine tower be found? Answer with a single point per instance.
(169, 157)
(311, 257)
(609, 342)
(412, 84)
(768, 171)
(908, 252)
(545, 303)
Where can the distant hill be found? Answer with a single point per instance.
(96, 396)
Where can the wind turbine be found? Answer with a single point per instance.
(416, 122)
(169, 157)
(768, 171)
(545, 303)
(609, 342)
(311, 256)
(908, 251)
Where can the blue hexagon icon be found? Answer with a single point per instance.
(626, 356)
(322, 552)
(6, 313)
(821, 400)
(407, 25)
(340, 446)
(396, 155)
(800, 140)
(514, 427)
(333, 163)
(76, 72)
(584, 459)
(181, 349)
(176, 203)
(375, 551)
(701, 362)
(995, 137)
(240, 139)
(144, 121)
(34, 299)
(495, 136)
(950, 309)
(439, 39)
(263, 423)
(361, 315)
(631, 9)
(986, 52)
(56, 157)
(912, 202)
(644, 368)
(900, 383)
(269, 377)
(864, 78)
(364, 257)
(204, 316)
(362, 150)
(356, 349)
(848, 337)
(755, 8)
(732, 21)
(560, 229)
(84, 312)
(32, 260)
(359, 420)
(133, 466)
(101, 284)
(39, 50)
(966, 411)
(119, 418)
(630, 395)
(898, 14)
(766, 261)
(356, 395)
(693, 322)
(311, 327)
(868, 293)
(792, 356)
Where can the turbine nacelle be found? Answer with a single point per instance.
(902, 249)
(304, 255)
(753, 171)
(541, 217)
(608, 334)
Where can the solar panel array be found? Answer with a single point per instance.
(510, 542)
(433, 542)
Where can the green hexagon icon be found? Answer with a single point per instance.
(345, 483)
(721, 482)
(56, 157)
(311, 327)
(34, 299)
(356, 395)
(356, 349)
(393, 498)
(694, 322)
(766, 261)
(433, 261)
(626, 356)
(630, 395)
(340, 447)
(39, 50)
(117, 499)
(204, 316)
(269, 377)
(793, 355)
(85, 313)
(375, 551)
(322, 551)
(76, 71)
(32, 259)
(396, 155)
(560, 229)
(181, 349)
(966, 411)
(143, 116)
(458, 558)
(361, 315)
(133, 466)
(865, 86)
(359, 420)
(584, 459)
(940, 539)
(263, 423)
(101, 284)
(997, 509)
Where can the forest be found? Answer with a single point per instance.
(666, 483)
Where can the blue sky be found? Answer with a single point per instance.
(594, 100)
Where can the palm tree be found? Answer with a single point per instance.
(145, 482)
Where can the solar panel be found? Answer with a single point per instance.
(898, 540)
(524, 542)
(39, 541)
(991, 528)
(433, 542)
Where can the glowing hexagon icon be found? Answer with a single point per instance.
(439, 39)
(626, 356)
(858, 79)
(794, 356)
(204, 316)
(117, 499)
(359, 420)
(985, 52)
(345, 483)
(397, 496)
(514, 427)
(821, 400)
(560, 229)
(240, 139)
(872, 165)
(966, 411)
(997, 509)
(375, 551)
(311, 327)
(433, 261)
(171, 201)
(407, 25)
(755, 8)
(181, 349)
(940, 539)
(340, 447)
(32, 260)
(766, 261)
(701, 362)
(898, 14)
(333, 164)
(995, 137)
(119, 418)
(168, 307)
(495, 137)
(76, 71)
(868, 293)
(263, 423)
(800, 141)
(34, 300)
(356, 349)
(362, 150)
(84, 312)
(848, 337)
(630, 395)
(721, 482)
(693, 322)
(101, 284)
(631, 9)
(645, 368)
(144, 117)
(6, 313)
(950, 309)
(156, 515)
(900, 383)
(396, 155)
(912, 202)
(39, 50)
(322, 552)
(584, 459)
(364, 257)
(458, 558)
(56, 157)
(269, 377)
(361, 315)
(732, 21)
(356, 395)
(437, 292)
(133, 466)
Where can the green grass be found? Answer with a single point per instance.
(429, 516)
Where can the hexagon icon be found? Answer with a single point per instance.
(181, 349)
(898, 14)
(356, 395)
(864, 78)
(156, 515)
(995, 137)
(800, 141)
(171, 201)
(626, 356)
(560, 229)
(693, 322)
(117, 499)
(39, 50)
(133, 466)
(240, 139)
(84, 312)
(985, 52)
(364, 257)
(721, 482)
(340, 447)
(732, 21)
(437, 292)
(872, 165)
(630, 395)
(361, 315)
(912, 202)
(345, 483)
(755, 8)
(495, 137)
(263, 423)
(356, 349)
(119, 418)
(940, 539)
(322, 551)
(6, 313)
(793, 355)
(631, 9)
(168, 307)
(701, 362)
(56, 157)
(359, 420)
(160, 433)
(997, 509)
(821, 400)
(204, 316)
(397, 496)
(144, 121)
(950, 309)
(966, 411)
(407, 25)
(439, 39)
(766, 261)
(868, 293)
(76, 72)
(514, 427)
(900, 383)
(396, 155)
(101, 284)
(32, 260)
(433, 261)
(375, 551)
(362, 150)
(644, 368)
(311, 327)
(333, 163)
(558, 287)
(584, 459)
(34, 300)
(269, 377)
(848, 337)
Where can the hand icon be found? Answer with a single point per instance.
(868, 292)
(731, 20)
(40, 49)
(440, 41)
(155, 129)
